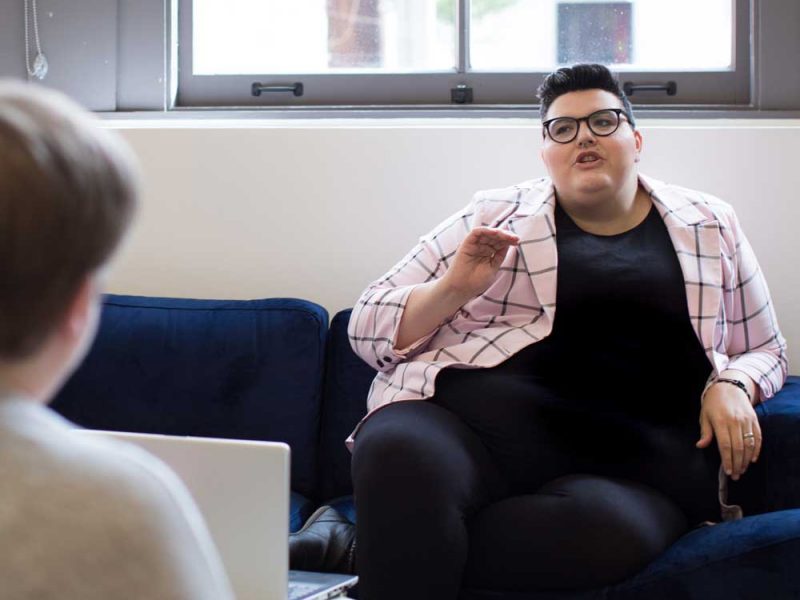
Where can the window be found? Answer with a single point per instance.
(602, 30)
(311, 53)
(320, 36)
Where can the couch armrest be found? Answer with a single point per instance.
(773, 483)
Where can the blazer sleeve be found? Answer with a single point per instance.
(377, 314)
(755, 344)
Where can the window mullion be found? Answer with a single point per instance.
(462, 35)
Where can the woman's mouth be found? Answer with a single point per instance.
(588, 160)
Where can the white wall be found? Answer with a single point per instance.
(317, 210)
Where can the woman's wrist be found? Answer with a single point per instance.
(427, 307)
(451, 295)
(736, 383)
(742, 381)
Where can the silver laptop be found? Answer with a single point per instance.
(242, 490)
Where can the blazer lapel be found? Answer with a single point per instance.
(696, 239)
(534, 223)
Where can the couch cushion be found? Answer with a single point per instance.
(345, 505)
(780, 454)
(755, 557)
(300, 508)
(246, 369)
(773, 483)
(347, 381)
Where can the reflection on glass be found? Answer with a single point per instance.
(652, 35)
(589, 32)
(323, 36)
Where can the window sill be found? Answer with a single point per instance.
(427, 117)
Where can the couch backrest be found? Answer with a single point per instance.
(347, 381)
(246, 369)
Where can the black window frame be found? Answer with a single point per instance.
(715, 90)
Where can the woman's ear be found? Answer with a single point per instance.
(543, 155)
(639, 141)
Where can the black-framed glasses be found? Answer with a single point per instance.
(601, 123)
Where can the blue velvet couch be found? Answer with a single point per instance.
(276, 369)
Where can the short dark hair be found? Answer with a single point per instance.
(68, 189)
(581, 77)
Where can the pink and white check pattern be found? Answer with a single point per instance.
(729, 303)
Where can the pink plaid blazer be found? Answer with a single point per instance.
(729, 303)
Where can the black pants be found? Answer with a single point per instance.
(502, 482)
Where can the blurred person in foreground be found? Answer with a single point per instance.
(81, 518)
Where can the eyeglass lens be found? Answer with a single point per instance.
(602, 123)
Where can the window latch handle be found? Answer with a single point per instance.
(630, 88)
(257, 88)
(461, 94)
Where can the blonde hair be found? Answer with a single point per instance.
(68, 190)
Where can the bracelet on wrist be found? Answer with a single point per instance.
(737, 383)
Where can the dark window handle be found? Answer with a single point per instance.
(670, 87)
(461, 94)
(296, 88)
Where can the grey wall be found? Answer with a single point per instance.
(107, 54)
(143, 81)
(778, 43)
(79, 39)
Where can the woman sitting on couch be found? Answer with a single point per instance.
(564, 335)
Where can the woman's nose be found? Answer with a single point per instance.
(585, 136)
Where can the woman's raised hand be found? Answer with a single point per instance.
(477, 261)
(471, 272)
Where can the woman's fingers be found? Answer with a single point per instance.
(746, 445)
(497, 238)
(725, 448)
(484, 242)
(737, 450)
(478, 259)
(499, 256)
(706, 431)
(735, 426)
(751, 434)
(758, 439)
(749, 445)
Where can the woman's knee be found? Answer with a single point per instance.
(578, 531)
(417, 445)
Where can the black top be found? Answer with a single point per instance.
(622, 328)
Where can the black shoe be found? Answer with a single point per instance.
(326, 543)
